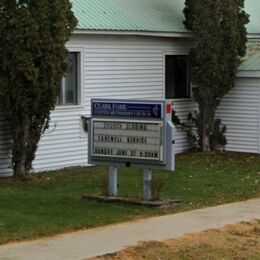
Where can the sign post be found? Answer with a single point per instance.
(147, 184)
(131, 133)
(112, 181)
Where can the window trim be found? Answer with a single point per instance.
(171, 53)
(80, 79)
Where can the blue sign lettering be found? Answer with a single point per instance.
(140, 110)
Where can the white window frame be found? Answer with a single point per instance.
(80, 79)
(177, 53)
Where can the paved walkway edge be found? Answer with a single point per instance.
(100, 241)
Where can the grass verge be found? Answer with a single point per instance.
(51, 203)
(240, 241)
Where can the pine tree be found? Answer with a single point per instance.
(219, 28)
(32, 63)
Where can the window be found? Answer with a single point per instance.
(177, 83)
(69, 91)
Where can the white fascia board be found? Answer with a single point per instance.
(133, 33)
(248, 74)
(143, 33)
(253, 36)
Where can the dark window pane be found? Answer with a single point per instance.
(176, 78)
(71, 79)
(69, 84)
(170, 76)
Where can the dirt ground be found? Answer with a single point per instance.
(238, 242)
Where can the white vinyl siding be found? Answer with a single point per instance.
(113, 67)
(62, 146)
(182, 107)
(5, 145)
(240, 112)
(129, 67)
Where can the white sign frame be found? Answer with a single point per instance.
(155, 112)
(160, 149)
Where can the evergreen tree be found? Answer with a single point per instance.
(219, 28)
(32, 63)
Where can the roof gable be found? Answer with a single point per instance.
(164, 16)
(130, 15)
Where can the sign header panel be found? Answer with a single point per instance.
(127, 109)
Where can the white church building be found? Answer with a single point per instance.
(137, 49)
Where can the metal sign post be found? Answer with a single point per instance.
(112, 181)
(147, 184)
(131, 133)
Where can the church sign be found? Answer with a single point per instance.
(131, 133)
(127, 140)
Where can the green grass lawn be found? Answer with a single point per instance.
(52, 203)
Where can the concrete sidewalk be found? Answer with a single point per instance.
(84, 244)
